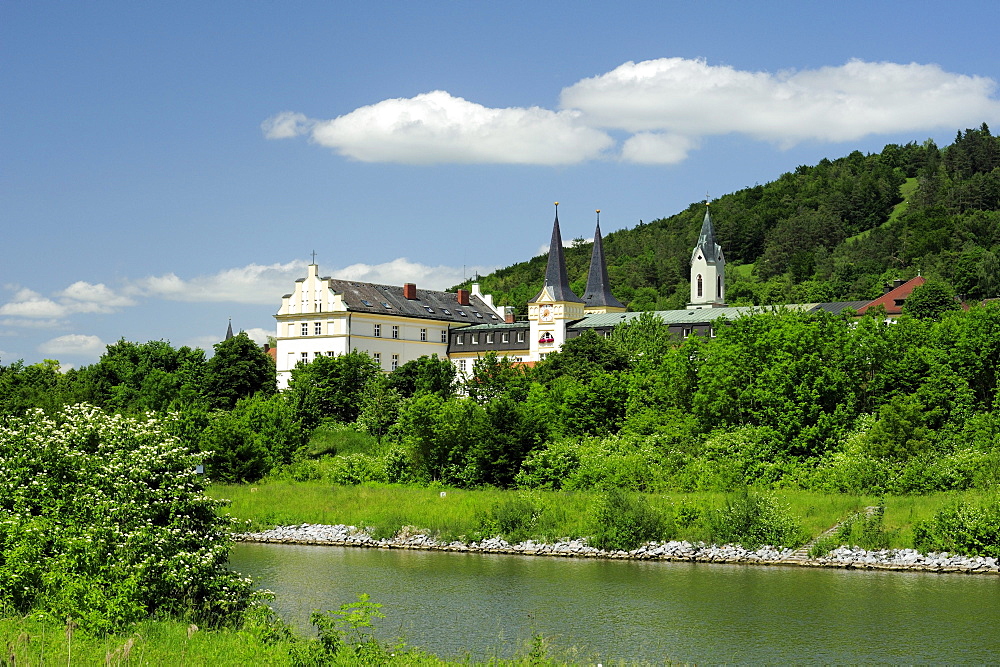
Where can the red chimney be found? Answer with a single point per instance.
(463, 297)
(508, 314)
(410, 291)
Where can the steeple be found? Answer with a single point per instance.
(708, 269)
(556, 278)
(229, 330)
(598, 295)
(710, 250)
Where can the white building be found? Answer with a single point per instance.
(392, 324)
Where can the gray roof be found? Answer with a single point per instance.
(693, 316)
(706, 241)
(523, 324)
(429, 304)
(556, 277)
(598, 285)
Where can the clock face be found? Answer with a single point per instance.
(545, 313)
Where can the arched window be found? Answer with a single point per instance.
(718, 287)
(700, 289)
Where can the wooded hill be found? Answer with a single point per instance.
(835, 231)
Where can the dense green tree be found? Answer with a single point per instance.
(931, 300)
(240, 368)
(427, 374)
(581, 358)
(331, 387)
(495, 376)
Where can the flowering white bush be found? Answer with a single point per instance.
(103, 518)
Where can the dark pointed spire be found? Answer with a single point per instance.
(598, 292)
(556, 278)
(229, 330)
(706, 241)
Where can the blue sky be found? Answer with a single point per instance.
(167, 166)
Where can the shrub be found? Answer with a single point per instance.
(106, 520)
(513, 518)
(623, 522)
(752, 520)
(961, 528)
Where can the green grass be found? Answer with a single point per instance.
(36, 640)
(905, 191)
(458, 514)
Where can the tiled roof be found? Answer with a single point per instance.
(430, 304)
(893, 300)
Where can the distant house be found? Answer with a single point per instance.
(894, 297)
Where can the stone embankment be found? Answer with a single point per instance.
(841, 557)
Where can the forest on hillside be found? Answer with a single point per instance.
(835, 231)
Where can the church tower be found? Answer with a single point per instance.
(708, 269)
(556, 305)
(598, 297)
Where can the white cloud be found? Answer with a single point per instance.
(402, 270)
(656, 148)
(31, 323)
(254, 283)
(666, 105)
(691, 98)
(74, 344)
(80, 297)
(286, 125)
(437, 127)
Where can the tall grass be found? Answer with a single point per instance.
(465, 514)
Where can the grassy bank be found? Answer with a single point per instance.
(459, 514)
(39, 640)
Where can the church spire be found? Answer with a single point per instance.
(556, 277)
(229, 330)
(706, 240)
(598, 294)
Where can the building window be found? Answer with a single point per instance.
(475, 339)
(444, 335)
(520, 336)
(395, 331)
(687, 332)
(305, 328)
(305, 356)
(378, 330)
(377, 356)
(423, 334)
(317, 328)
(461, 366)
(489, 339)
(395, 361)
(505, 337)
(718, 287)
(700, 290)
(330, 353)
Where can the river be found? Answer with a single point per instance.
(453, 604)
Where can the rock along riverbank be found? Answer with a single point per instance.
(841, 557)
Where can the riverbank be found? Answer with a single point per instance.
(841, 557)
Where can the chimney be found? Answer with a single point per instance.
(898, 282)
(508, 314)
(463, 297)
(410, 291)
